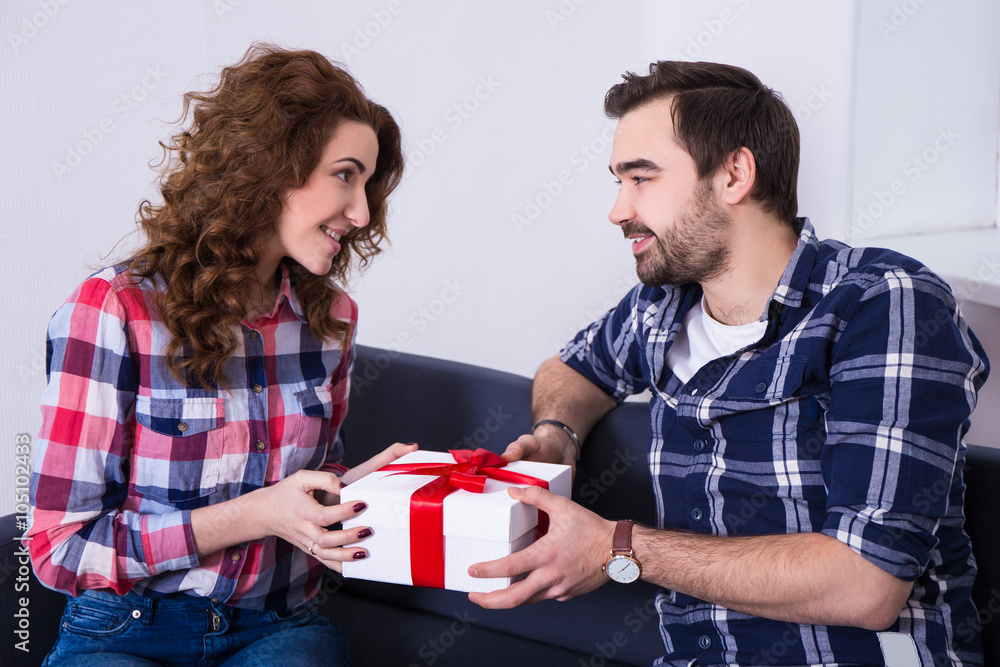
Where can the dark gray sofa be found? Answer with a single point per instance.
(446, 405)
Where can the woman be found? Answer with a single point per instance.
(189, 454)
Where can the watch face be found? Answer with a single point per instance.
(623, 569)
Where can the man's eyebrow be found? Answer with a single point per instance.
(360, 165)
(640, 164)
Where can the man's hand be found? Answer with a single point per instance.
(566, 562)
(548, 445)
(561, 393)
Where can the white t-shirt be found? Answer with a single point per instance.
(703, 339)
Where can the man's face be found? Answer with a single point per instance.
(678, 230)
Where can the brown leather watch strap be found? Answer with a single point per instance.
(621, 545)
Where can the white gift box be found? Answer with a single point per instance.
(478, 527)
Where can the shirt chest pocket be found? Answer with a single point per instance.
(768, 380)
(764, 400)
(178, 448)
(311, 430)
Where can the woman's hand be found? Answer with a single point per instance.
(296, 509)
(292, 513)
(383, 458)
(287, 509)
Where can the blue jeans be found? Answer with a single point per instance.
(102, 628)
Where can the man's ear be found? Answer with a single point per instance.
(738, 175)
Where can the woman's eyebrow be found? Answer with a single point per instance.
(358, 163)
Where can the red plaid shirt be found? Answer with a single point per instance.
(126, 451)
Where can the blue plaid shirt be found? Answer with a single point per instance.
(846, 418)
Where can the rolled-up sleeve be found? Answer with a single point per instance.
(610, 352)
(80, 537)
(904, 377)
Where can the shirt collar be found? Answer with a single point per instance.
(288, 294)
(795, 278)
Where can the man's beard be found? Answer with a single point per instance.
(692, 250)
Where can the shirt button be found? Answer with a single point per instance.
(705, 641)
(699, 445)
(696, 514)
(261, 446)
(761, 387)
(257, 389)
(236, 557)
(182, 426)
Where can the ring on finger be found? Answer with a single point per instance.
(312, 548)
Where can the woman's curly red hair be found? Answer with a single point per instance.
(252, 138)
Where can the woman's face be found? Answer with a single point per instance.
(332, 201)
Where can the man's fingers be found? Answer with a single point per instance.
(507, 598)
(520, 449)
(527, 447)
(508, 566)
(538, 497)
(527, 591)
(532, 558)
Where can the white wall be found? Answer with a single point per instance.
(927, 103)
(501, 245)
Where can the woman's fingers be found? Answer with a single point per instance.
(315, 480)
(383, 458)
(340, 545)
(327, 516)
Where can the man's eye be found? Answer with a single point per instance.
(639, 179)
(617, 182)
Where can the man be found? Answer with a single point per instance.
(782, 369)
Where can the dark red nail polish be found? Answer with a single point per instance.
(409, 443)
(358, 555)
(364, 532)
(359, 507)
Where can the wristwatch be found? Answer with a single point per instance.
(622, 566)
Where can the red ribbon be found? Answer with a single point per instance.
(469, 473)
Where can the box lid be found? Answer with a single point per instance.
(492, 514)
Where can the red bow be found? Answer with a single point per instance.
(469, 473)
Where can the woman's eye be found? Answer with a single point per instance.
(346, 175)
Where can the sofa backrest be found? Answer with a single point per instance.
(982, 522)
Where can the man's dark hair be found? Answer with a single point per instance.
(716, 110)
